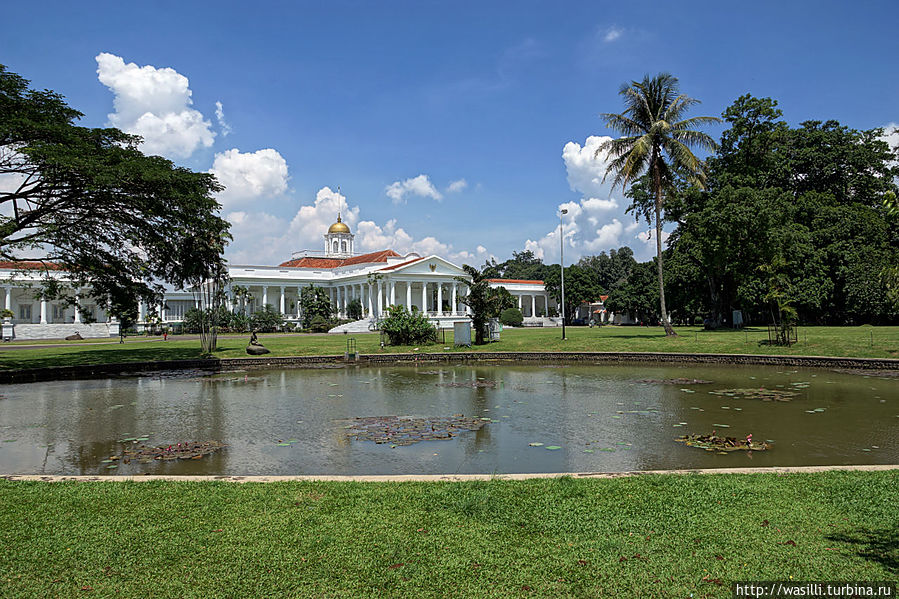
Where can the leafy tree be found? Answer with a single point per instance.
(485, 302)
(267, 320)
(315, 303)
(612, 269)
(318, 324)
(656, 141)
(354, 309)
(121, 223)
(523, 265)
(403, 327)
(511, 317)
(639, 296)
(580, 286)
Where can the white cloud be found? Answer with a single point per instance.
(249, 177)
(481, 249)
(891, 136)
(457, 186)
(612, 34)
(418, 186)
(220, 117)
(648, 238)
(585, 169)
(155, 104)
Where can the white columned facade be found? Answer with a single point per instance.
(453, 305)
(392, 293)
(439, 298)
(519, 303)
(370, 313)
(282, 300)
(299, 295)
(409, 296)
(424, 297)
(8, 299)
(43, 310)
(533, 306)
(264, 295)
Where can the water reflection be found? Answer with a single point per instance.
(601, 417)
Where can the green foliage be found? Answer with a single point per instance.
(354, 309)
(319, 324)
(315, 303)
(511, 317)
(120, 223)
(267, 320)
(581, 285)
(638, 296)
(523, 265)
(407, 328)
(5, 313)
(484, 301)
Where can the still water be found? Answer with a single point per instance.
(602, 418)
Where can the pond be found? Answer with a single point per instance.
(496, 418)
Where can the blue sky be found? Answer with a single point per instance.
(456, 128)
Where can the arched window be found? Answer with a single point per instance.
(335, 246)
(343, 246)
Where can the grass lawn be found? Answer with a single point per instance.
(863, 341)
(653, 535)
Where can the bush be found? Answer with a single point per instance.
(407, 328)
(267, 320)
(319, 324)
(354, 310)
(511, 317)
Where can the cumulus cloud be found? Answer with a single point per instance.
(612, 34)
(155, 104)
(249, 176)
(585, 169)
(648, 238)
(457, 186)
(417, 186)
(220, 117)
(891, 136)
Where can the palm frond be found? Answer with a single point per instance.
(678, 106)
(695, 121)
(623, 124)
(694, 139)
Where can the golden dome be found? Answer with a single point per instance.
(338, 227)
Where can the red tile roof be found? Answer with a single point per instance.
(516, 281)
(29, 265)
(395, 266)
(369, 258)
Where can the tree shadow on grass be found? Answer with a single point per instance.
(91, 356)
(876, 545)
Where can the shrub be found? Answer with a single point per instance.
(319, 324)
(511, 317)
(407, 328)
(267, 320)
(354, 309)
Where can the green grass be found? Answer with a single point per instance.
(653, 535)
(864, 341)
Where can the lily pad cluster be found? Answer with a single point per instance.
(761, 393)
(721, 444)
(403, 430)
(680, 381)
(192, 450)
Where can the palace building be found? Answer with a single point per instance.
(430, 284)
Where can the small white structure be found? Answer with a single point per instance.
(429, 284)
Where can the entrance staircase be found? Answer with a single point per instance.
(359, 326)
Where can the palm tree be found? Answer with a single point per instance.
(656, 141)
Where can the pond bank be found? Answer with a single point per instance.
(88, 371)
(455, 478)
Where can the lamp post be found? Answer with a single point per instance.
(562, 266)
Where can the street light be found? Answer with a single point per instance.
(562, 267)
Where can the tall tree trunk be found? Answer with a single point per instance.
(669, 330)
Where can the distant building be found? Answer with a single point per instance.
(427, 284)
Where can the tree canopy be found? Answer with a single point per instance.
(88, 201)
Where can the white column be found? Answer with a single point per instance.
(467, 307)
(141, 312)
(519, 303)
(264, 295)
(339, 300)
(546, 305)
(408, 296)
(370, 313)
(77, 309)
(392, 293)
(380, 298)
(162, 309)
(282, 299)
(533, 306)
(453, 305)
(8, 289)
(43, 310)
(439, 299)
(424, 297)
(299, 308)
